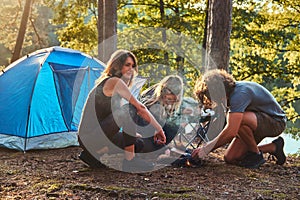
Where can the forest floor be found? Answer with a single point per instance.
(59, 174)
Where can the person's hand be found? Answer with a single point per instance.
(160, 137)
(199, 152)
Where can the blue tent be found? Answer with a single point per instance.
(42, 96)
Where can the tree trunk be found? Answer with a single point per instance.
(164, 33)
(204, 62)
(107, 28)
(218, 34)
(100, 26)
(22, 31)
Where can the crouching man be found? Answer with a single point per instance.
(252, 114)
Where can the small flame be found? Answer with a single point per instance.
(188, 163)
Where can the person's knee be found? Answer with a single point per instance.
(250, 121)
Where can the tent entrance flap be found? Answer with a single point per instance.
(68, 80)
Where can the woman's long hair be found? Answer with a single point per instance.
(171, 84)
(115, 65)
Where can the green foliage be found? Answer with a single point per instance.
(265, 38)
(81, 35)
(171, 47)
(265, 48)
(38, 27)
(10, 16)
(76, 24)
(5, 54)
(2, 68)
(287, 96)
(166, 41)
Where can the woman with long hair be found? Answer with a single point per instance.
(163, 100)
(118, 121)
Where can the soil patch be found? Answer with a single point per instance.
(59, 174)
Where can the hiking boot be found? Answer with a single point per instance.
(252, 160)
(88, 159)
(137, 165)
(279, 154)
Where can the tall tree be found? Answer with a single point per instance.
(22, 31)
(163, 31)
(107, 28)
(218, 34)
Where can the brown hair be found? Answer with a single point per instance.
(116, 63)
(208, 84)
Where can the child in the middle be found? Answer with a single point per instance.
(163, 100)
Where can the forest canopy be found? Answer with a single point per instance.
(168, 38)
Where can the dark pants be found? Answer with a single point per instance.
(120, 127)
(170, 130)
(119, 137)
